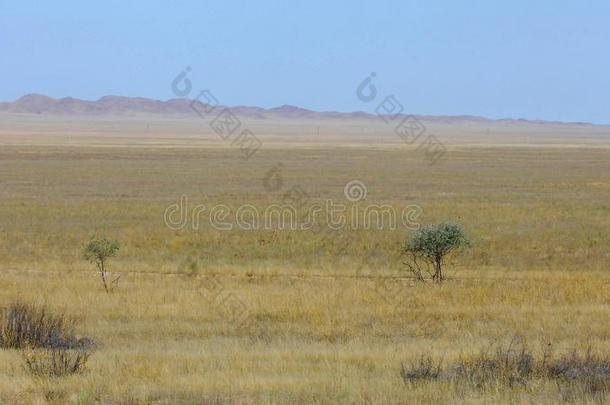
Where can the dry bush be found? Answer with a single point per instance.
(576, 375)
(47, 342)
(24, 326)
(425, 370)
(55, 362)
(508, 366)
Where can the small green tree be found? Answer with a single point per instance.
(98, 251)
(430, 246)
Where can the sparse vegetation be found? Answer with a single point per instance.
(513, 367)
(335, 335)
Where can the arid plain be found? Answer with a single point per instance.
(286, 316)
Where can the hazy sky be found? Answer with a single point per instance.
(524, 59)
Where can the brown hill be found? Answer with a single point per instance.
(118, 105)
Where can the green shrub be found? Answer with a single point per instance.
(430, 246)
(98, 251)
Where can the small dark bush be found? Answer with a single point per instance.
(24, 325)
(424, 370)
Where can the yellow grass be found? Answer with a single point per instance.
(295, 320)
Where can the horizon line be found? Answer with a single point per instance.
(361, 113)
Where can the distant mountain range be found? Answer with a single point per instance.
(126, 106)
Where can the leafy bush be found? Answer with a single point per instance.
(430, 246)
(98, 251)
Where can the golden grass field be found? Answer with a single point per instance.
(323, 325)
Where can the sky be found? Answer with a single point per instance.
(520, 59)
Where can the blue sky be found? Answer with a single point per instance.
(522, 59)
